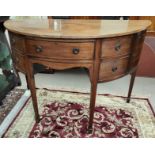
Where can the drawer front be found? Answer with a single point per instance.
(114, 47)
(18, 60)
(60, 50)
(113, 69)
(17, 42)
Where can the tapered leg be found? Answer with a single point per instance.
(31, 85)
(92, 104)
(133, 75)
(94, 73)
(26, 77)
(93, 77)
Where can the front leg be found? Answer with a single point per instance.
(94, 73)
(92, 105)
(94, 79)
(31, 85)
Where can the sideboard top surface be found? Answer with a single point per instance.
(76, 29)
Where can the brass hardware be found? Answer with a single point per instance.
(114, 69)
(39, 49)
(118, 46)
(76, 50)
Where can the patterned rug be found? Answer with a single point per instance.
(9, 102)
(65, 114)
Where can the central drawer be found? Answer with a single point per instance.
(60, 50)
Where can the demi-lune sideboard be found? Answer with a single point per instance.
(108, 49)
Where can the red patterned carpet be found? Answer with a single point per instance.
(65, 114)
(71, 120)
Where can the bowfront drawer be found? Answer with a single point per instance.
(18, 60)
(17, 42)
(60, 50)
(113, 69)
(114, 47)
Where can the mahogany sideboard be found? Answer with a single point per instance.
(109, 49)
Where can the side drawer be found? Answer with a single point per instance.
(113, 69)
(114, 47)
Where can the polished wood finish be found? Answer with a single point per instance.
(19, 61)
(114, 47)
(107, 49)
(151, 29)
(76, 29)
(61, 50)
(137, 43)
(31, 85)
(133, 75)
(147, 60)
(112, 69)
(94, 80)
(17, 42)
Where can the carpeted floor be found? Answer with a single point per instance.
(65, 114)
(9, 102)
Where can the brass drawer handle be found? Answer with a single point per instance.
(76, 50)
(118, 46)
(39, 49)
(114, 69)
